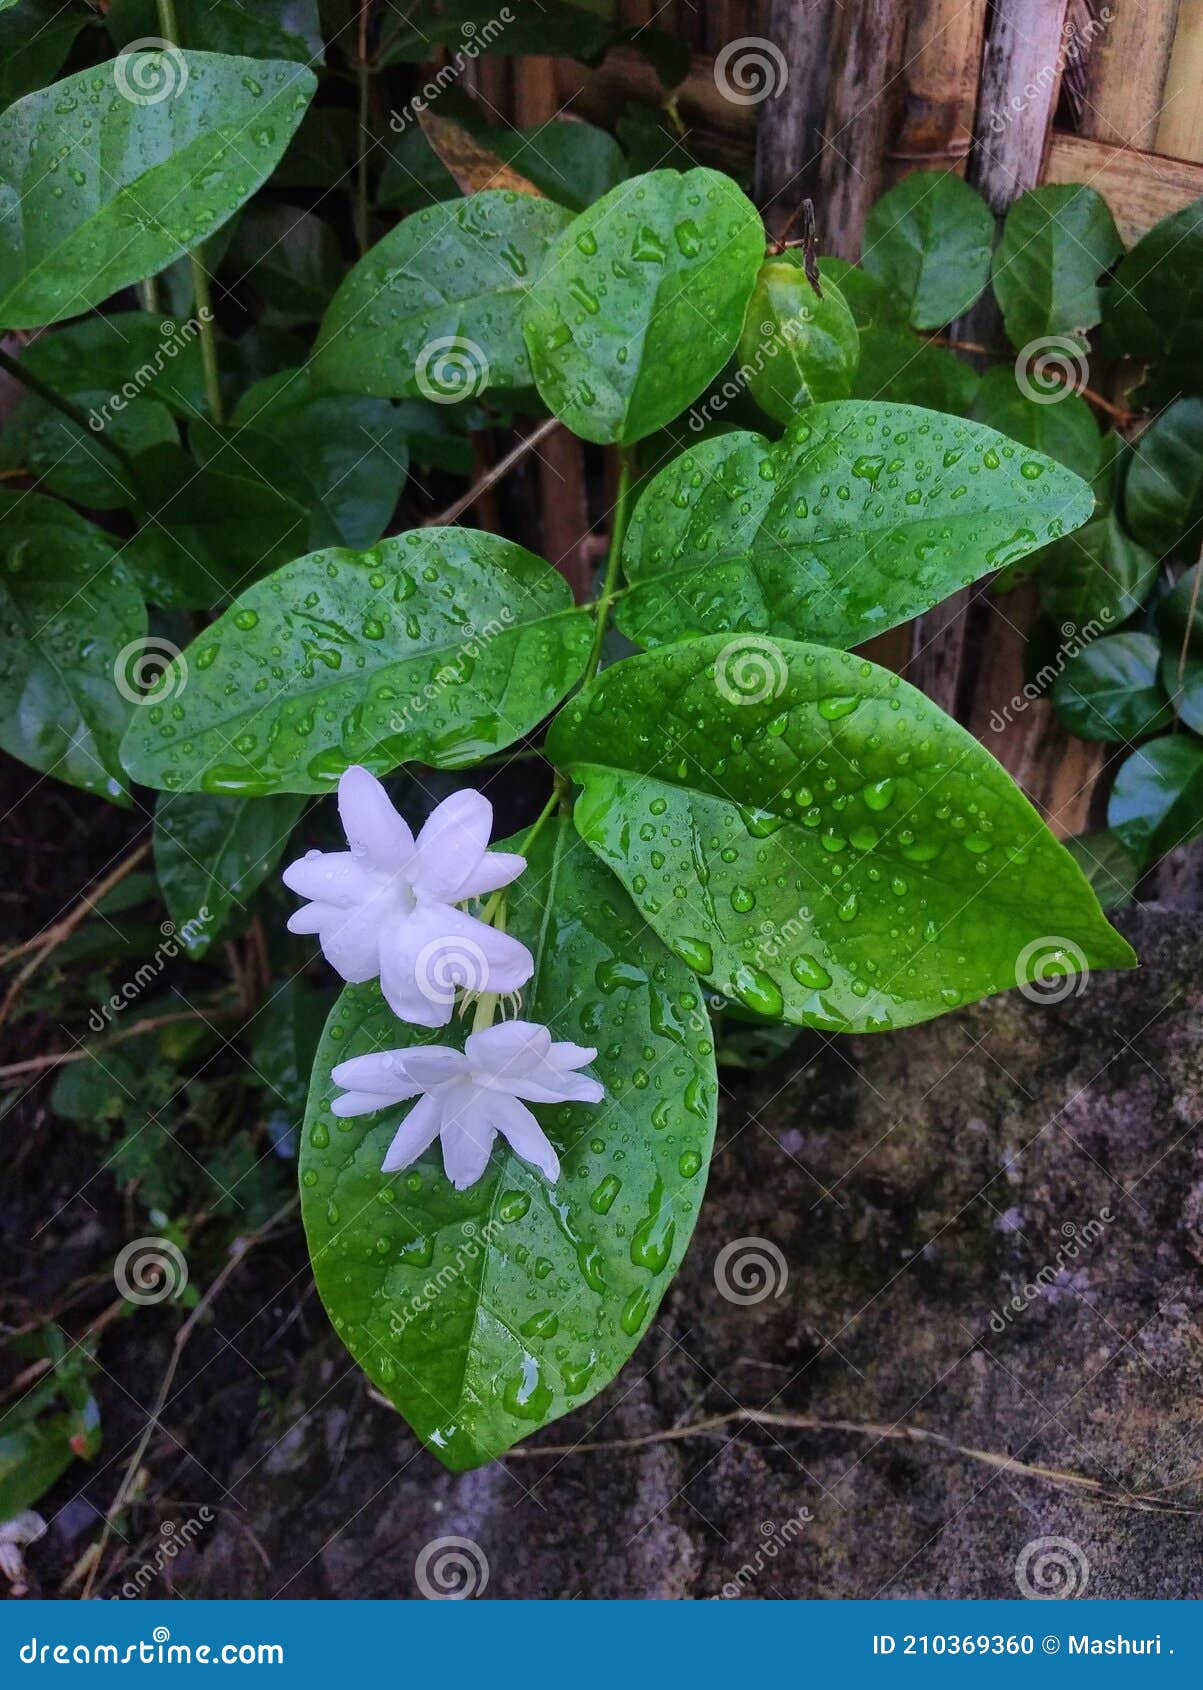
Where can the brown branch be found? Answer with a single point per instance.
(492, 476)
(898, 1434)
(49, 941)
(57, 1058)
(237, 1257)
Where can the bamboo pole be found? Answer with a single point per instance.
(942, 62)
(1180, 124)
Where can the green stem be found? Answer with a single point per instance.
(35, 385)
(196, 259)
(363, 75)
(622, 514)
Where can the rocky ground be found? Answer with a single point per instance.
(914, 1185)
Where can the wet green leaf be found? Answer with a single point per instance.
(138, 183)
(798, 349)
(434, 308)
(572, 163)
(897, 366)
(1153, 310)
(816, 838)
(1163, 494)
(69, 611)
(438, 646)
(862, 516)
(130, 355)
(640, 302)
(1156, 803)
(1111, 690)
(1063, 429)
(928, 241)
(210, 856)
(1056, 243)
(487, 1313)
(261, 29)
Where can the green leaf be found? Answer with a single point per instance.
(130, 355)
(487, 1313)
(1056, 243)
(928, 241)
(211, 854)
(1110, 869)
(70, 459)
(35, 38)
(207, 533)
(579, 27)
(862, 516)
(261, 29)
(817, 838)
(798, 348)
(438, 646)
(140, 183)
(1163, 494)
(1063, 428)
(1156, 803)
(1180, 624)
(640, 302)
(341, 456)
(291, 259)
(1153, 310)
(898, 367)
(871, 305)
(48, 1424)
(69, 614)
(1110, 690)
(1099, 572)
(434, 308)
(287, 1031)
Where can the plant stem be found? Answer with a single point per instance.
(78, 417)
(196, 261)
(622, 513)
(363, 76)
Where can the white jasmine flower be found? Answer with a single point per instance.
(467, 1097)
(386, 906)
